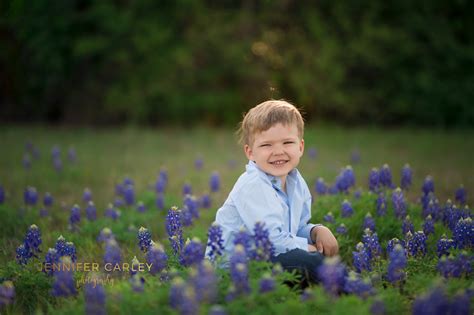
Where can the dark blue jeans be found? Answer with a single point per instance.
(305, 263)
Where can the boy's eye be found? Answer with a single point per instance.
(289, 142)
(265, 145)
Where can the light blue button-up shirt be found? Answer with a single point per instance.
(257, 196)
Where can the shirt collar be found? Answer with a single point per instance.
(276, 181)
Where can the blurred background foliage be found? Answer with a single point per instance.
(193, 61)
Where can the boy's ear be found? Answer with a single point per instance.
(248, 152)
(302, 146)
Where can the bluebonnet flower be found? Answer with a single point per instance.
(23, 254)
(187, 189)
(392, 243)
(199, 163)
(399, 203)
(385, 176)
(455, 267)
(451, 215)
(60, 245)
(361, 259)
(405, 181)
(118, 202)
(374, 180)
(94, 297)
(341, 229)
(163, 175)
(113, 254)
(137, 282)
(55, 152)
(346, 209)
(428, 225)
(369, 222)
(464, 233)
(329, 217)
(157, 257)
(267, 283)
(141, 206)
(186, 217)
(332, 274)
(355, 156)
(91, 211)
(215, 182)
(215, 241)
(371, 243)
(58, 164)
(428, 185)
(111, 212)
(378, 308)
(26, 161)
(320, 187)
(128, 181)
(205, 201)
(205, 282)
(48, 200)
(64, 284)
(71, 155)
(264, 248)
(397, 262)
(70, 250)
(461, 303)
(217, 310)
(345, 179)
(332, 190)
(7, 293)
(192, 205)
(119, 189)
(87, 195)
(193, 252)
(33, 239)
(312, 153)
(43, 212)
(144, 239)
(129, 194)
(50, 260)
(432, 209)
(176, 292)
(244, 238)
(183, 297)
(239, 270)
(75, 216)
(357, 193)
(444, 245)
(381, 204)
(2, 195)
(30, 196)
(407, 226)
(105, 235)
(160, 186)
(433, 303)
(460, 195)
(416, 243)
(160, 201)
(174, 229)
(356, 285)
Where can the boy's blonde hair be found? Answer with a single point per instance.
(267, 114)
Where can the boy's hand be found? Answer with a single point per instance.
(324, 240)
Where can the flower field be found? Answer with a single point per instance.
(116, 221)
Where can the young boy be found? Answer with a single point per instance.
(272, 191)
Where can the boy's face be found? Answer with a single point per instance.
(276, 151)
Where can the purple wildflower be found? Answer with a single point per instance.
(33, 239)
(160, 201)
(385, 176)
(264, 248)
(87, 195)
(320, 187)
(341, 229)
(113, 254)
(193, 252)
(381, 205)
(239, 270)
(157, 257)
(361, 259)
(23, 254)
(94, 298)
(105, 235)
(428, 185)
(205, 282)
(455, 267)
(407, 226)
(160, 186)
(187, 189)
(111, 212)
(26, 161)
(70, 250)
(460, 195)
(244, 238)
(392, 243)
(329, 217)
(198, 163)
(64, 284)
(369, 222)
(174, 229)
(191, 204)
(30, 196)
(464, 233)
(332, 274)
(432, 303)
(205, 201)
(399, 203)
(176, 292)
(129, 194)
(371, 243)
(2, 195)
(58, 164)
(356, 285)
(7, 293)
(215, 182)
(374, 181)
(144, 239)
(266, 284)
(346, 209)
(60, 246)
(416, 243)
(141, 207)
(91, 211)
(405, 181)
(71, 155)
(50, 260)
(48, 200)
(444, 245)
(397, 262)
(215, 241)
(187, 302)
(75, 217)
(345, 179)
(378, 308)
(428, 226)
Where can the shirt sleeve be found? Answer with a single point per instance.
(259, 202)
(304, 227)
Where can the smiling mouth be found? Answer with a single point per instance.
(279, 162)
